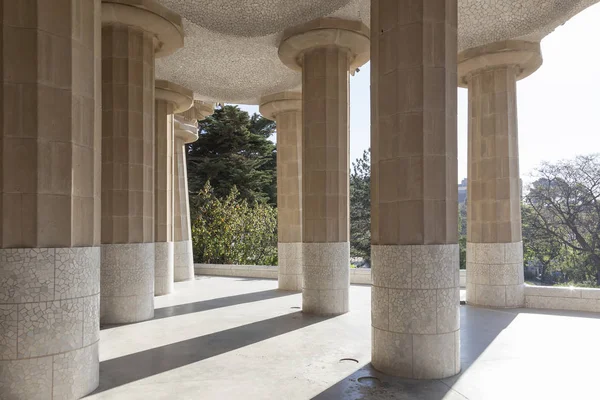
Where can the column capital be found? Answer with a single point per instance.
(186, 123)
(280, 102)
(203, 109)
(186, 130)
(165, 25)
(181, 98)
(527, 56)
(353, 36)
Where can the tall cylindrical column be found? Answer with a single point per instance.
(131, 35)
(186, 131)
(324, 50)
(50, 164)
(286, 109)
(494, 248)
(414, 189)
(170, 99)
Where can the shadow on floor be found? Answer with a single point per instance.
(479, 328)
(133, 367)
(206, 305)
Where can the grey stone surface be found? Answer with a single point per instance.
(290, 266)
(326, 277)
(200, 352)
(562, 298)
(183, 260)
(127, 282)
(495, 274)
(163, 268)
(415, 297)
(76, 373)
(27, 275)
(487, 21)
(77, 272)
(50, 327)
(49, 314)
(358, 276)
(230, 51)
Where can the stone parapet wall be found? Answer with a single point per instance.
(239, 271)
(540, 297)
(358, 276)
(562, 298)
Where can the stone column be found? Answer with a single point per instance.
(494, 247)
(286, 109)
(133, 33)
(414, 189)
(186, 131)
(324, 50)
(50, 164)
(170, 99)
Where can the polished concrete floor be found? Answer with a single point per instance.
(239, 338)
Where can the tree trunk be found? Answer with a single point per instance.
(595, 258)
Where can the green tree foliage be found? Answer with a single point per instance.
(360, 207)
(539, 246)
(234, 149)
(565, 203)
(462, 234)
(231, 231)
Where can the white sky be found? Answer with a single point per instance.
(558, 106)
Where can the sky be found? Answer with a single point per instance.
(558, 106)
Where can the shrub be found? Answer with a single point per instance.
(230, 231)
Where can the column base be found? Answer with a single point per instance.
(415, 310)
(495, 276)
(49, 322)
(290, 266)
(163, 268)
(127, 283)
(326, 271)
(183, 261)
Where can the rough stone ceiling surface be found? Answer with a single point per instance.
(486, 21)
(230, 52)
(251, 18)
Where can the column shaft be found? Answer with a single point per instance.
(164, 256)
(50, 164)
(184, 256)
(415, 293)
(186, 131)
(494, 249)
(325, 170)
(127, 174)
(289, 199)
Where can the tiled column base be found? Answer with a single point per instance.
(184, 261)
(415, 310)
(290, 266)
(49, 322)
(326, 271)
(127, 283)
(163, 268)
(495, 275)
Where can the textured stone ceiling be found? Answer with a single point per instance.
(230, 52)
(487, 21)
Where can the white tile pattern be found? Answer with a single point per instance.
(127, 283)
(495, 276)
(183, 261)
(326, 272)
(164, 260)
(49, 322)
(290, 266)
(415, 310)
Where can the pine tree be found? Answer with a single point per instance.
(360, 207)
(234, 149)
